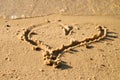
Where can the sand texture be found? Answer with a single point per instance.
(57, 47)
(59, 39)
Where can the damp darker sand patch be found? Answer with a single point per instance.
(34, 8)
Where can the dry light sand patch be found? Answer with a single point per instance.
(21, 56)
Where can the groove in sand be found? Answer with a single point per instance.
(52, 56)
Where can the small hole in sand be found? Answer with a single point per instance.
(37, 48)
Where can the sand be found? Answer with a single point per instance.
(18, 60)
(22, 59)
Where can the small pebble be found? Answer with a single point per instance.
(8, 59)
(8, 26)
(59, 20)
(41, 70)
(88, 46)
(91, 59)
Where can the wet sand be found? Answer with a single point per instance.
(34, 8)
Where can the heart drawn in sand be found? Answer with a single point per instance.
(52, 56)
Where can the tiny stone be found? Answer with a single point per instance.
(8, 59)
(88, 46)
(8, 26)
(102, 65)
(91, 58)
(47, 21)
(23, 29)
(78, 28)
(41, 70)
(59, 20)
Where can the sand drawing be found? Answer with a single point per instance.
(52, 56)
(67, 28)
